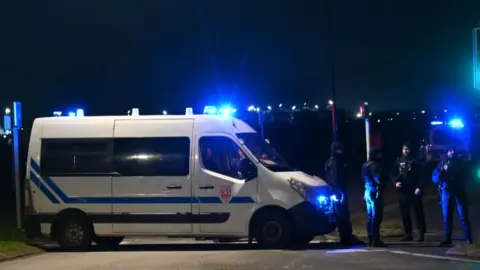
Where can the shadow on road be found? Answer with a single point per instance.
(201, 247)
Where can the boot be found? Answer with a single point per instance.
(446, 242)
(421, 237)
(407, 238)
(370, 241)
(378, 243)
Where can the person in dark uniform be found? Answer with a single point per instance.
(409, 182)
(373, 174)
(336, 176)
(451, 176)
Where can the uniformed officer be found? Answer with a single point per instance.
(336, 176)
(374, 177)
(409, 182)
(451, 176)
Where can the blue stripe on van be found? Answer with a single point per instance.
(121, 200)
(42, 188)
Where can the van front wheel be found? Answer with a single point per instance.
(274, 230)
(75, 234)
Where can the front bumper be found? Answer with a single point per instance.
(309, 218)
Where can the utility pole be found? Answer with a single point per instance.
(331, 52)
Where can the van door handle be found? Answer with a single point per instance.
(206, 187)
(174, 187)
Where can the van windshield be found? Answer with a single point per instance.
(264, 152)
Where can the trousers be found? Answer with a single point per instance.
(375, 205)
(449, 199)
(407, 201)
(343, 219)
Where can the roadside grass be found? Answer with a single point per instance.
(11, 239)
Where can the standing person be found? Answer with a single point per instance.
(408, 180)
(451, 176)
(336, 176)
(373, 174)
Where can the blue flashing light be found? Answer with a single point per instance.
(456, 123)
(71, 114)
(321, 199)
(57, 113)
(210, 110)
(227, 111)
(334, 198)
(80, 113)
(251, 108)
(436, 123)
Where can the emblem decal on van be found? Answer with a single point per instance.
(225, 193)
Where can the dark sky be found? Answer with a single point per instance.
(109, 56)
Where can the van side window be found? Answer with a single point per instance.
(64, 157)
(168, 156)
(221, 155)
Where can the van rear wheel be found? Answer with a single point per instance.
(108, 242)
(274, 230)
(75, 233)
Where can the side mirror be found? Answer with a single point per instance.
(248, 169)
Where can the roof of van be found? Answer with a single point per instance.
(65, 126)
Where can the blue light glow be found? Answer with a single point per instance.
(251, 108)
(334, 198)
(227, 111)
(71, 114)
(210, 110)
(436, 123)
(80, 113)
(57, 113)
(456, 123)
(321, 199)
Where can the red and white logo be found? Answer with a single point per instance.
(226, 193)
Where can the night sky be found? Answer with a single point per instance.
(109, 56)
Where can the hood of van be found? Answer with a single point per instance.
(307, 179)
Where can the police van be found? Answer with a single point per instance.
(98, 179)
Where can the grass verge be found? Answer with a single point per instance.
(13, 243)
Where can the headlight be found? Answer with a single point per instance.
(322, 197)
(299, 187)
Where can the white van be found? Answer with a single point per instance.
(100, 179)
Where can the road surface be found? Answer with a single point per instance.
(186, 254)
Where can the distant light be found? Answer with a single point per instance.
(135, 112)
(445, 111)
(80, 113)
(257, 109)
(423, 111)
(210, 110)
(330, 102)
(7, 111)
(436, 123)
(304, 104)
(398, 113)
(414, 118)
(378, 121)
(57, 113)
(370, 114)
(269, 107)
(280, 105)
(316, 106)
(251, 108)
(359, 115)
(456, 123)
(390, 119)
(71, 114)
(294, 107)
(164, 112)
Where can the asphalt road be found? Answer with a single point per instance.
(187, 254)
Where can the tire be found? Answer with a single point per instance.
(107, 241)
(75, 233)
(273, 231)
